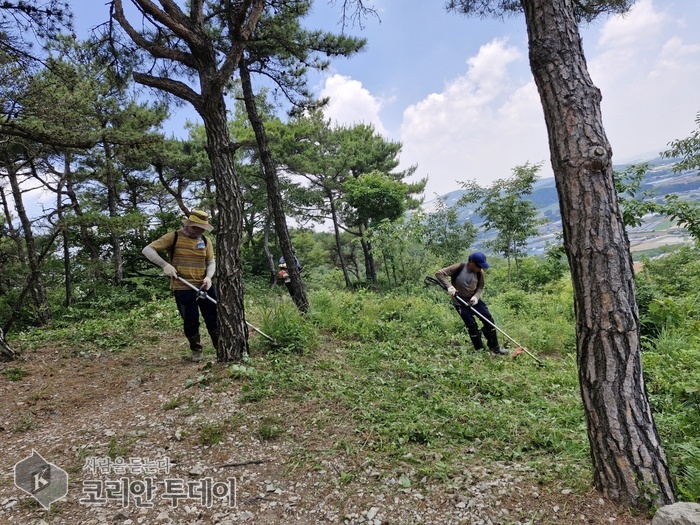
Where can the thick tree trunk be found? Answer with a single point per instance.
(338, 245)
(370, 270)
(35, 279)
(628, 461)
(112, 183)
(233, 340)
(6, 353)
(274, 194)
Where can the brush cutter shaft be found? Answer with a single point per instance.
(465, 303)
(203, 294)
(497, 328)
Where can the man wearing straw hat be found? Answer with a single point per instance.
(191, 257)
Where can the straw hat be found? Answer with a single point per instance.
(198, 219)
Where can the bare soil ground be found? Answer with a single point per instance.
(294, 460)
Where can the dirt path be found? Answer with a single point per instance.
(265, 462)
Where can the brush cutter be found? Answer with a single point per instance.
(202, 294)
(520, 348)
(137, 268)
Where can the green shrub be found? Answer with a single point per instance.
(290, 329)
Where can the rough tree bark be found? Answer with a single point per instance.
(629, 462)
(35, 280)
(6, 352)
(274, 193)
(229, 201)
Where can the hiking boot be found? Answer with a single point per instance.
(498, 350)
(196, 347)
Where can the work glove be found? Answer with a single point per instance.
(473, 301)
(170, 271)
(451, 290)
(206, 282)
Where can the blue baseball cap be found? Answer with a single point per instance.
(479, 259)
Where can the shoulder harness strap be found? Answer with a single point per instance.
(171, 251)
(453, 277)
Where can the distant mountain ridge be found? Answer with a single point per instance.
(659, 178)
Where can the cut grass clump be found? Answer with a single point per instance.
(213, 432)
(270, 428)
(15, 374)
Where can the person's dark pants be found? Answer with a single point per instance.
(190, 308)
(469, 317)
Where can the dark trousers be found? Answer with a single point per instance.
(189, 308)
(469, 317)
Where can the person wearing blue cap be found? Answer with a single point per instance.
(466, 281)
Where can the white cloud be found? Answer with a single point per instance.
(351, 103)
(648, 74)
(479, 128)
(484, 123)
(676, 57)
(489, 119)
(636, 28)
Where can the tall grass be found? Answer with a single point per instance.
(410, 378)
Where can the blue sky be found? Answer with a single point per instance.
(459, 95)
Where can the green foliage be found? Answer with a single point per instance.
(212, 433)
(686, 213)
(690, 489)
(688, 149)
(400, 365)
(25, 425)
(15, 373)
(506, 211)
(587, 11)
(375, 197)
(116, 449)
(270, 428)
(240, 371)
(85, 332)
(627, 186)
(176, 402)
(444, 237)
(666, 291)
(289, 328)
(669, 311)
(399, 248)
